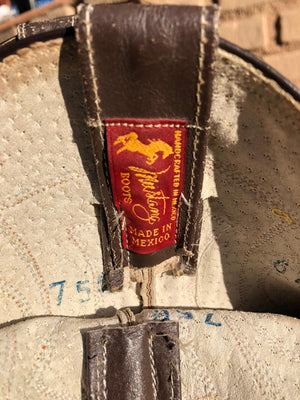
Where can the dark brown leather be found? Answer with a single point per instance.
(133, 362)
(150, 62)
(37, 28)
(11, 45)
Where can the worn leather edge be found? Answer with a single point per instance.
(135, 361)
(113, 278)
(38, 28)
(112, 265)
(193, 186)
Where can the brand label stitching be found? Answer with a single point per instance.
(147, 165)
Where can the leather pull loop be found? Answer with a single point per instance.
(126, 316)
(148, 69)
(133, 362)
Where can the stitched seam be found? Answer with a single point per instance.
(21, 31)
(148, 287)
(127, 124)
(106, 173)
(98, 378)
(23, 251)
(153, 369)
(131, 125)
(73, 20)
(104, 391)
(196, 139)
(127, 242)
(196, 127)
(261, 377)
(117, 221)
(177, 217)
(93, 123)
(172, 397)
(89, 38)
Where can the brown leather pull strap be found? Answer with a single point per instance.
(149, 63)
(133, 362)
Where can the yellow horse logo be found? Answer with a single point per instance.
(132, 143)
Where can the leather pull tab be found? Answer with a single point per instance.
(133, 362)
(148, 74)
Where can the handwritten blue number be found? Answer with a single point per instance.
(208, 320)
(61, 290)
(161, 315)
(80, 288)
(185, 315)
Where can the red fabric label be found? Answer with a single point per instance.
(147, 165)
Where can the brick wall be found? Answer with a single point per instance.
(268, 28)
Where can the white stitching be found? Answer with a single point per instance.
(73, 20)
(104, 371)
(89, 38)
(186, 202)
(196, 139)
(172, 384)
(119, 216)
(153, 370)
(124, 227)
(98, 378)
(92, 122)
(117, 224)
(201, 57)
(177, 217)
(131, 125)
(21, 31)
(196, 127)
(95, 124)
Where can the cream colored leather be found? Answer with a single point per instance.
(50, 251)
(224, 355)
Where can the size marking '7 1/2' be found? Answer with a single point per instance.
(82, 287)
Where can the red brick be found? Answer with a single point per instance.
(290, 25)
(249, 33)
(287, 64)
(238, 4)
